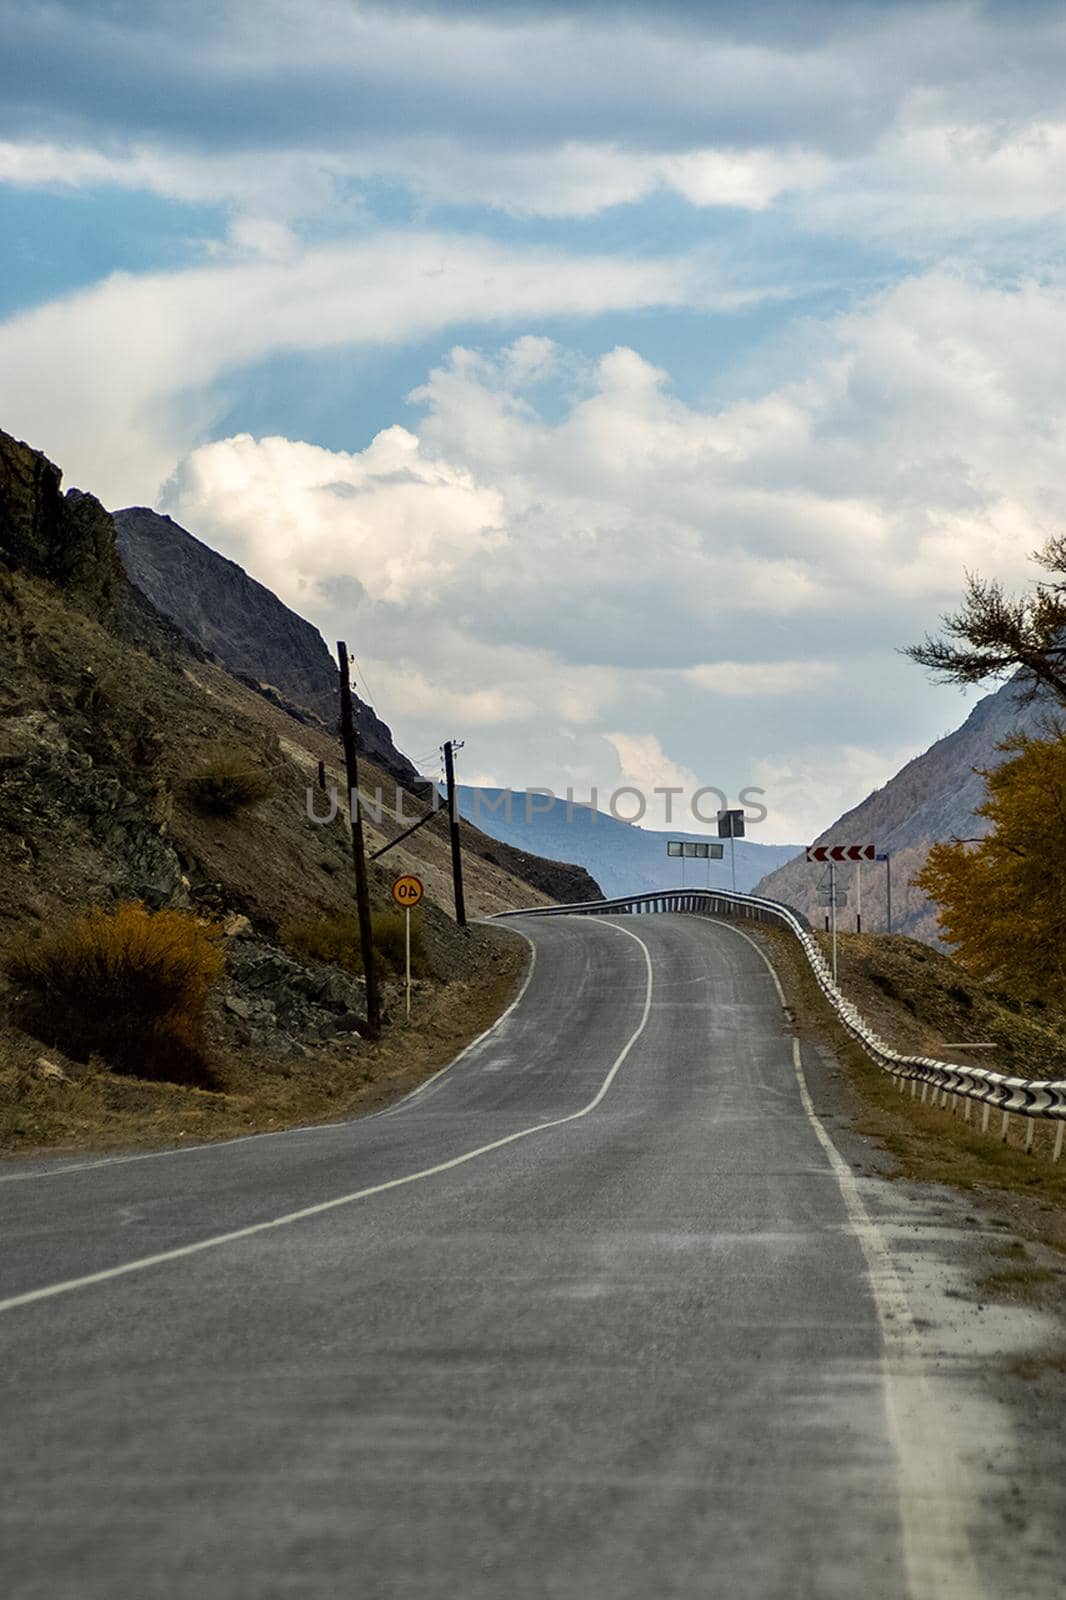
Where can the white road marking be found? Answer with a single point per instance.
(32, 1296)
(310, 1127)
(932, 1482)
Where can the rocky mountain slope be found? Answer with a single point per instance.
(624, 859)
(933, 797)
(243, 625)
(106, 712)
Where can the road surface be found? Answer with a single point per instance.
(597, 1315)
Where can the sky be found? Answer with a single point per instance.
(625, 383)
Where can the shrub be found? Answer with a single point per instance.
(225, 785)
(389, 940)
(336, 940)
(128, 984)
(331, 939)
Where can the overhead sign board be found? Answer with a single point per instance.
(695, 849)
(841, 852)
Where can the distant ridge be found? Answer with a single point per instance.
(236, 619)
(933, 797)
(622, 858)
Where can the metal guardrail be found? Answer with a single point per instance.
(1033, 1098)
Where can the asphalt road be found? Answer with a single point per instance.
(598, 1313)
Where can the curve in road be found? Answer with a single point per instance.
(598, 1312)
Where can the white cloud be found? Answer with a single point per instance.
(805, 793)
(929, 181)
(643, 588)
(644, 766)
(744, 679)
(400, 524)
(117, 381)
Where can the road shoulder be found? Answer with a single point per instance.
(978, 1235)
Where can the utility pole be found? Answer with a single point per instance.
(450, 748)
(362, 886)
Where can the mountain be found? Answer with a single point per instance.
(623, 858)
(933, 797)
(244, 626)
(107, 707)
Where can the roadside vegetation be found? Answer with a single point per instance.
(226, 785)
(1022, 1192)
(58, 1102)
(126, 984)
(336, 940)
(1001, 898)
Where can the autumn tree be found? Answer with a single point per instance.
(1002, 899)
(994, 633)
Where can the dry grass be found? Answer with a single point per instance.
(930, 1143)
(336, 940)
(127, 984)
(1052, 1364)
(1027, 1282)
(930, 1003)
(226, 785)
(389, 940)
(97, 1110)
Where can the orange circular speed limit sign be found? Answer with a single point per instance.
(407, 891)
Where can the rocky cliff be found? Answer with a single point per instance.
(933, 797)
(67, 538)
(243, 626)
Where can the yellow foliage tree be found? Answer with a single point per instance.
(1002, 900)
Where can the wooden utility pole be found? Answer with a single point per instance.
(453, 827)
(362, 886)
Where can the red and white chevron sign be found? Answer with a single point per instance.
(841, 852)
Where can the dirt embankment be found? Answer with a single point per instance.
(926, 1004)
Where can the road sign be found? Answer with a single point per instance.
(730, 824)
(838, 899)
(841, 852)
(407, 891)
(692, 848)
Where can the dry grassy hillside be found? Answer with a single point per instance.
(108, 719)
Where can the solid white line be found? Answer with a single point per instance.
(932, 1484)
(178, 1254)
(308, 1127)
(467, 1049)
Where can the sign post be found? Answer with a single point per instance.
(731, 827)
(407, 892)
(831, 854)
(886, 857)
(702, 851)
